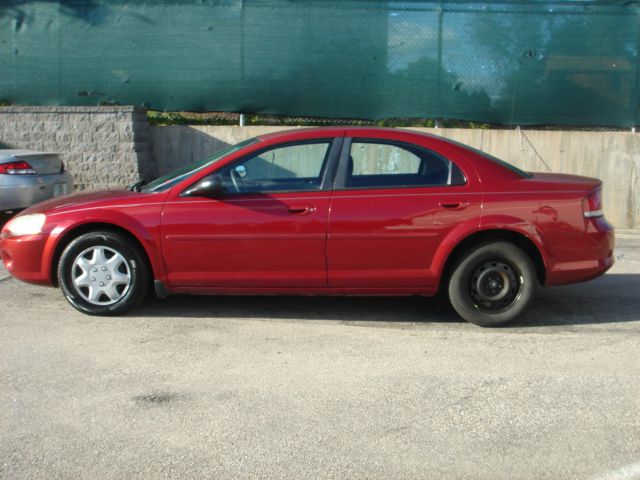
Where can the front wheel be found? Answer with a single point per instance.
(492, 284)
(103, 273)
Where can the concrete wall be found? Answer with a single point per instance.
(613, 157)
(103, 147)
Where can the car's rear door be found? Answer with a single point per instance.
(268, 231)
(393, 204)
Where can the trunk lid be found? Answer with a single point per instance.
(563, 181)
(42, 163)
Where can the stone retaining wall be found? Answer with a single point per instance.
(103, 147)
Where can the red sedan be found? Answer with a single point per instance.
(347, 211)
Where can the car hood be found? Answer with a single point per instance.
(87, 200)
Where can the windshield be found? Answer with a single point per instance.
(167, 181)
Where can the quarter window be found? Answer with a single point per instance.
(373, 164)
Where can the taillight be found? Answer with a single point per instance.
(592, 205)
(16, 168)
(61, 166)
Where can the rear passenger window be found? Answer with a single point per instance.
(375, 164)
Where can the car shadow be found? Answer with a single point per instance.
(286, 307)
(612, 298)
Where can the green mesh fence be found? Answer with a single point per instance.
(506, 62)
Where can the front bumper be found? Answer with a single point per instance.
(21, 191)
(24, 258)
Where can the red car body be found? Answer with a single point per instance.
(379, 241)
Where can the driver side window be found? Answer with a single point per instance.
(296, 167)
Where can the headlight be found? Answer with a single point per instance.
(26, 224)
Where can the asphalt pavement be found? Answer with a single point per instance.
(323, 388)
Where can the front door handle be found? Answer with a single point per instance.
(301, 209)
(454, 205)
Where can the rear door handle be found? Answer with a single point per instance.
(301, 209)
(454, 205)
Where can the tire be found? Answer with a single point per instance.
(103, 273)
(492, 284)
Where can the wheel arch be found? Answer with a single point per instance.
(92, 226)
(518, 238)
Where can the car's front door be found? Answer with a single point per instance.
(393, 204)
(267, 231)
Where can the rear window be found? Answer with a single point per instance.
(493, 159)
(506, 165)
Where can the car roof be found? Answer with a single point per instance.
(479, 159)
(303, 132)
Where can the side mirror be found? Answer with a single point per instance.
(210, 187)
(241, 170)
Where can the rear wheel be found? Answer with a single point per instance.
(492, 284)
(103, 273)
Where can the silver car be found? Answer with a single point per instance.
(28, 177)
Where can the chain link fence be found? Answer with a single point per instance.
(500, 62)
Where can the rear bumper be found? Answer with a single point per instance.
(589, 256)
(21, 191)
(24, 258)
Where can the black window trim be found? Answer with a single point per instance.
(327, 172)
(340, 182)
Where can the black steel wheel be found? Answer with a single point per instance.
(492, 284)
